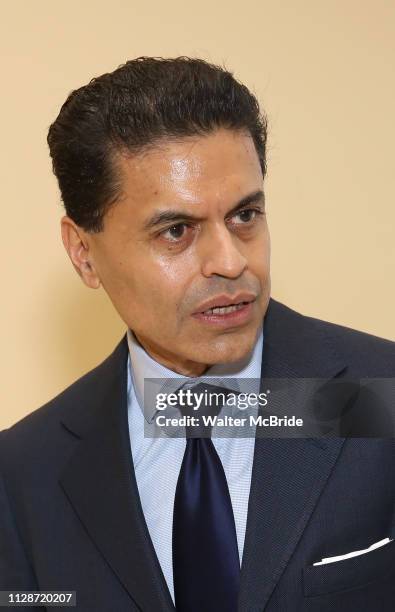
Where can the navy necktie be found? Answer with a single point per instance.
(206, 566)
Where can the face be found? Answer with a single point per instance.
(189, 226)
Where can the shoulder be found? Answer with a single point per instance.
(78, 401)
(359, 348)
(366, 355)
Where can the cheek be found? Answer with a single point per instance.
(173, 271)
(161, 284)
(259, 256)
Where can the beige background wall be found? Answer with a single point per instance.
(324, 72)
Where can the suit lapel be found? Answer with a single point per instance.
(100, 484)
(288, 475)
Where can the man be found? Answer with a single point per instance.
(161, 167)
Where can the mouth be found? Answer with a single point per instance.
(229, 316)
(222, 310)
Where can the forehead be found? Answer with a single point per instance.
(192, 169)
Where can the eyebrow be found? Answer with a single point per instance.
(177, 216)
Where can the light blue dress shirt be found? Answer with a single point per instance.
(157, 461)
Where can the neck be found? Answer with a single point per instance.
(182, 367)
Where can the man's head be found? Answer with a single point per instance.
(161, 166)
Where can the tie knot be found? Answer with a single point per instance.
(201, 404)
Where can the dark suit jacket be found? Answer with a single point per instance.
(71, 519)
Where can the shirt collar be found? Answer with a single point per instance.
(141, 366)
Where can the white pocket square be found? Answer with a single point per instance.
(354, 553)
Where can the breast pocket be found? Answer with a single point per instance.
(349, 573)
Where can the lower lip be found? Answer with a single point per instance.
(230, 319)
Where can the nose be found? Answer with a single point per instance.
(220, 254)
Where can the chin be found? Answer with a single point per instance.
(228, 351)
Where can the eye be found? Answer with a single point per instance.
(175, 232)
(248, 215)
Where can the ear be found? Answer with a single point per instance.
(76, 244)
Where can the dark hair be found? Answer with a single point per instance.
(133, 107)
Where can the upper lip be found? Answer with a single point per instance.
(225, 300)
